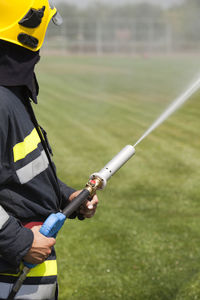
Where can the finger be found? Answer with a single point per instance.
(89, 214)
(87, 211)
(94, 200)
(36, 228)
(74, 195)
(52, 242)
(89, 206)
(92, 203)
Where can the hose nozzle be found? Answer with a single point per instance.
(114, 165)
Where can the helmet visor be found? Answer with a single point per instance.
(57, 19)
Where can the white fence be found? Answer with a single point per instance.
(130, 36)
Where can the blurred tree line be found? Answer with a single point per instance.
(186, 19)
(180, 22)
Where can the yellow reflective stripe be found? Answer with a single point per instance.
(30, 143)
(6, 274)
(47, 268)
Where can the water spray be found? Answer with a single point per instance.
(98, 181)
(177, 103)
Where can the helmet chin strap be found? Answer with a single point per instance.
(57, 19)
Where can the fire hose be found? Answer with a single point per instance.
(54, 222)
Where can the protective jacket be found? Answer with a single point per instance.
(29, 191)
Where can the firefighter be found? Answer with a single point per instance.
(29, 188)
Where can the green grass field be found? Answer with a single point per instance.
(144, 242)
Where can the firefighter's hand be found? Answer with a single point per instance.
(87, 209)
(41, 247)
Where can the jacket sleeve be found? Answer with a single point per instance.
(15, 240)
(66, 191)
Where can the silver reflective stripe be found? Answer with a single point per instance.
(3, 217)
(29, 292)
(34, 168)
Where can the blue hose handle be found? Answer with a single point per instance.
(50, 228)
(54, 222)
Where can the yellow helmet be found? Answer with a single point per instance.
(24, 22)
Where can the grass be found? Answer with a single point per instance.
(144, 242)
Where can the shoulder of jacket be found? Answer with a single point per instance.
(5, 95)
(7, 101)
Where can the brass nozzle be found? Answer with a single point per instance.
(93, 185)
